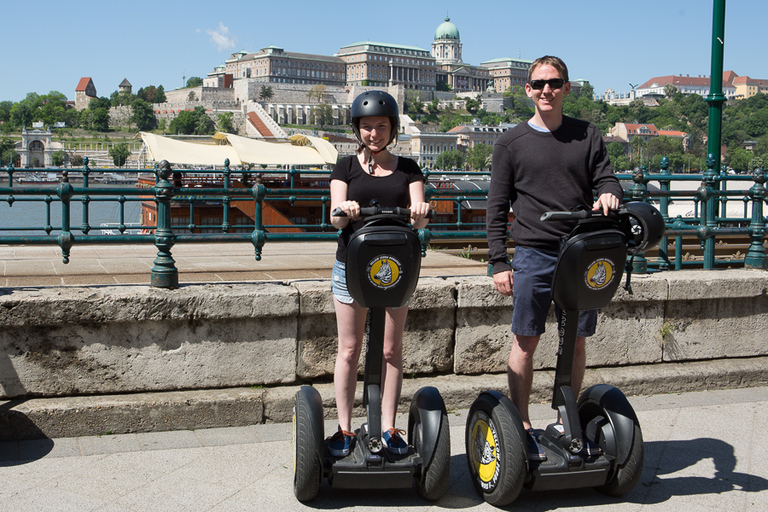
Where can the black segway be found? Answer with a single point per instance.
(599, 442)
(382, 269)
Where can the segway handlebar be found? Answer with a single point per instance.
(577, 215)
(370, 211)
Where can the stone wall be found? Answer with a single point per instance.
(102, 340)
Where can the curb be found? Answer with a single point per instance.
(36, 418)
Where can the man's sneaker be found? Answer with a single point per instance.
(535, 451)
(394, 442)
(340, 443)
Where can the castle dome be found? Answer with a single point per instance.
(447, 30)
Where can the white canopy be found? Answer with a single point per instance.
(302, 150)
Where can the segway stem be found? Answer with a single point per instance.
(372, 381)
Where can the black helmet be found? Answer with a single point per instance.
(375, 103)
(646, 225)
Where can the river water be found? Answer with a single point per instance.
(25, 217)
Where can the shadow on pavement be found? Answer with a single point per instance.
(22, 441)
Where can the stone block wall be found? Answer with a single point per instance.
(80, 341)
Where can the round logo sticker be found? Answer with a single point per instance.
(600, 274)
(384, 272)
(485, 453)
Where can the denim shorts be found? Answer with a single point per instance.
(339, 283)
(532, 294)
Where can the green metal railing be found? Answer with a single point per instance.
(709, 223)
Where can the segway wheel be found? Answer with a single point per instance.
(626, 476)
(609, 421)
(308, 443)
(496, 449)
(434, 479)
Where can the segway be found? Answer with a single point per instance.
(598, 442)
(382, 269)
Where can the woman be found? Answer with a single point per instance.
(372, 174)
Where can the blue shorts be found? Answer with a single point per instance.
(339, 283)
(532, 294)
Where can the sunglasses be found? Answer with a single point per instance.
(554, 83)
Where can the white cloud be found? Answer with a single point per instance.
(221, 38)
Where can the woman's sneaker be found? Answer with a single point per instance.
(340, 443)
(394, 442)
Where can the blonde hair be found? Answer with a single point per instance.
(549, 60)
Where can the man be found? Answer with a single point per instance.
(552, 162)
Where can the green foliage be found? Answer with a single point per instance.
(479, 156)
(224, 121)
(142, 115)
(58, 158)
(473, 105)
(266, 92)
(321, 115)
(152, 94)
(452, 159)
(190, 122)
(194, 81)
(7, 151)
(119, 154)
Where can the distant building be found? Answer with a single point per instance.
(450, 68)
(626, 132)
(747, 87)
(84, 93)
(507, 72)
(383, 64)
(125, 87)
(687, 85)
(274, 64)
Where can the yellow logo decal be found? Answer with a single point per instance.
(485, 455)
(384, 272)
(600, 274)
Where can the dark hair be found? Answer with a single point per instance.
(549, 60)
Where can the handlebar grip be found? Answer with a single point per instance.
(338, 212)
(370, 211)
(581, 214)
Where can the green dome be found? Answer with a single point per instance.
(447, 30)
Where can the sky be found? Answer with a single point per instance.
(49, 45)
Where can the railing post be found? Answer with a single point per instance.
(164, 273)
(65, 238)
(664, 186)
(638, 192)
(708, 194)
(258, 238)
(756, 255)
(85, 226)
(225, 225)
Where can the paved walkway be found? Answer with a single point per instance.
(209, 263)
(704, 451)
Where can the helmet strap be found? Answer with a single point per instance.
(370, 160)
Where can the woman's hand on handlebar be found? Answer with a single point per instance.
(606, 202)
(351, 208)
(419, 213)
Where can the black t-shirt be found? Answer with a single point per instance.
(390, 190)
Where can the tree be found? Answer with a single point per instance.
(142, 115)
(194, 81)
(191, 96)
(99, 109)
(670, 90)
(160, 95)
(265, 92)
(316, 93)
(58, 158)
(225, 122)
(7, 151)
(472, 105)
(152, 94)
(189, 122)
(321, 115)
(479, 156)
(452, 159)
(119, 154)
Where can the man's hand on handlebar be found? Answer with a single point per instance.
(419, 212)
(607, 202)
